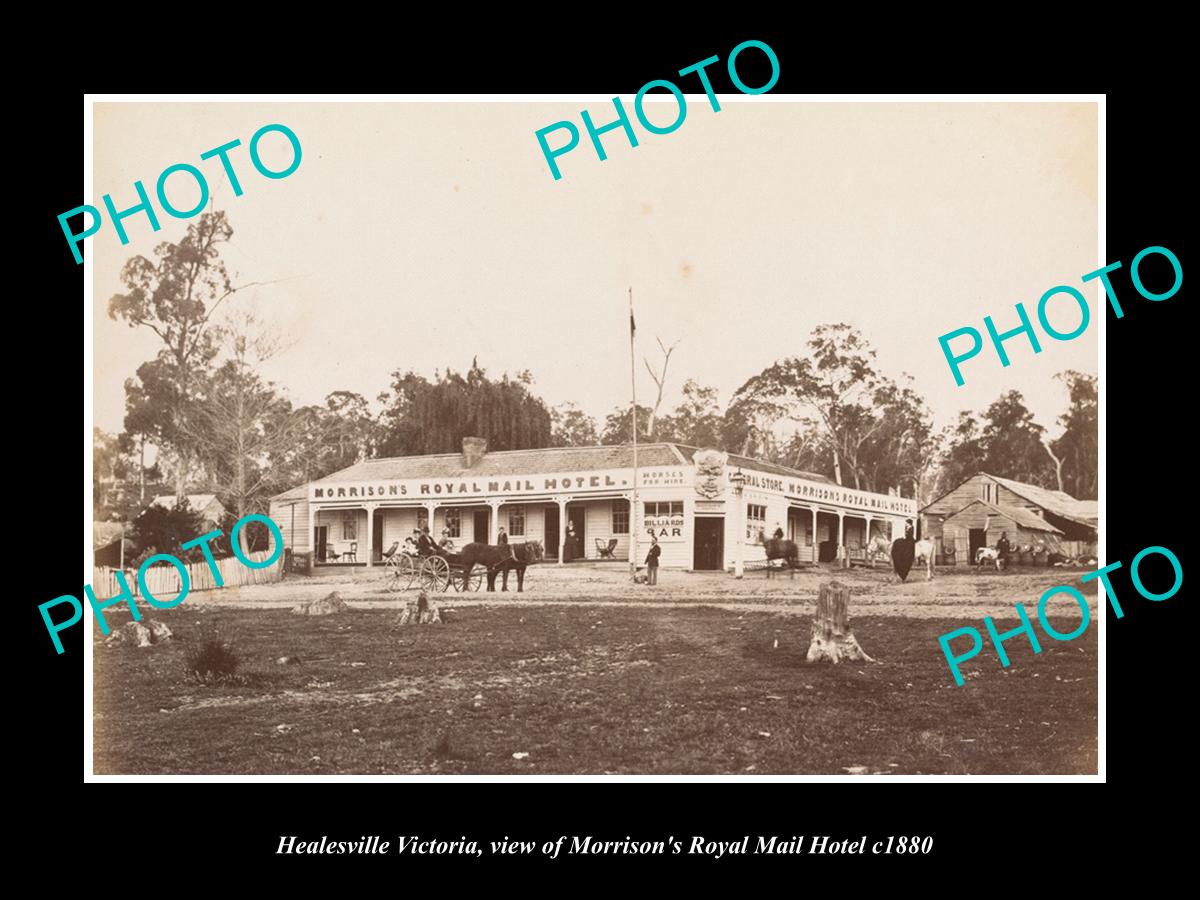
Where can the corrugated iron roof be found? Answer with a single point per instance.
(759, 465)
(1086, 512)
(300, 492)
(1018, 514)
(509, 462)
(540, 461)
(196, 501)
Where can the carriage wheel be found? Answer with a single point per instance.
(391, 575)
(475, 580)
(406, 574)
(435, 574)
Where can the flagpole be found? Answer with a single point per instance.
(633, 507)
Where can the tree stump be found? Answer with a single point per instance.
(832, 639)
(421, 612)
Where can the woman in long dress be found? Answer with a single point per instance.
(571, 550)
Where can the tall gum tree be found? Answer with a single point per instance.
(175, 296)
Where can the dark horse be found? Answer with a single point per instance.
(778, 548)
(500, 558)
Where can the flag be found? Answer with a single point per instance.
(632, 325)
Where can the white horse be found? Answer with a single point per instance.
(879, 547)
(990, 554)
(922, 552)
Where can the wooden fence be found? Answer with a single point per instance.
(162, 579)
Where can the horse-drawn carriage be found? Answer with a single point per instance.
(434, 573)
(466, 570)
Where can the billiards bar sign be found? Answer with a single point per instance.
(665, 528)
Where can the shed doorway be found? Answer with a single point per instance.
(976, 539)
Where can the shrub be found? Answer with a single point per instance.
(211, 661)
(167, 529)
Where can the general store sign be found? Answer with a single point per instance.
(816, 492)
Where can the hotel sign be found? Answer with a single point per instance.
(452, 488)
(836, 494)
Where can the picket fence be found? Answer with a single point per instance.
(162, 580)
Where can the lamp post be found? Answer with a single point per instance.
(739, 483)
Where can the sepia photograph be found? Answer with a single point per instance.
(423, 446)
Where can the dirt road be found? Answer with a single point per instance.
(968, 595)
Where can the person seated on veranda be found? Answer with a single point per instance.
(446, 543)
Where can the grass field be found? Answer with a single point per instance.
(588, 690)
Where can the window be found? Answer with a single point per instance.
(987, 491)
(516, 521)
(756, 520)
(620, 517)
(349, 527)
(664, 508)
(422, 518)
(454, 522)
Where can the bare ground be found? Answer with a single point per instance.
(582, 680)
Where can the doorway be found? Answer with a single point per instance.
(708, 548)
(551, 530)
(320, 541)
(976, 539)
(481, 532)
(577, 549)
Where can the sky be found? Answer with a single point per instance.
(421, 235)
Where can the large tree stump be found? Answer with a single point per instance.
(832, 639)
(421, 612)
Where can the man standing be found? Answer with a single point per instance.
(652, 556)
(778, 532)
(1003, 548)
(502, 538)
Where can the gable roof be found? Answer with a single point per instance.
(1062, 504)
(299, 492)
(1085, 512)
(758, 465)
(1026, 519)
(104, 533)
(197, 502)
(537, 462)
(509, 462)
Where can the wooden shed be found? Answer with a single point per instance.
(1074, 522)
(980, 524)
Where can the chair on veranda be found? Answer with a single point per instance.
(606, 550)
(352, 554)
(391, 551)
(331, 554)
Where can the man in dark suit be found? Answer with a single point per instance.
(1003, 548)
(425, 544)
(502, 538)
(652, 556)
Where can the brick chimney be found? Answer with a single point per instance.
(473, 450)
